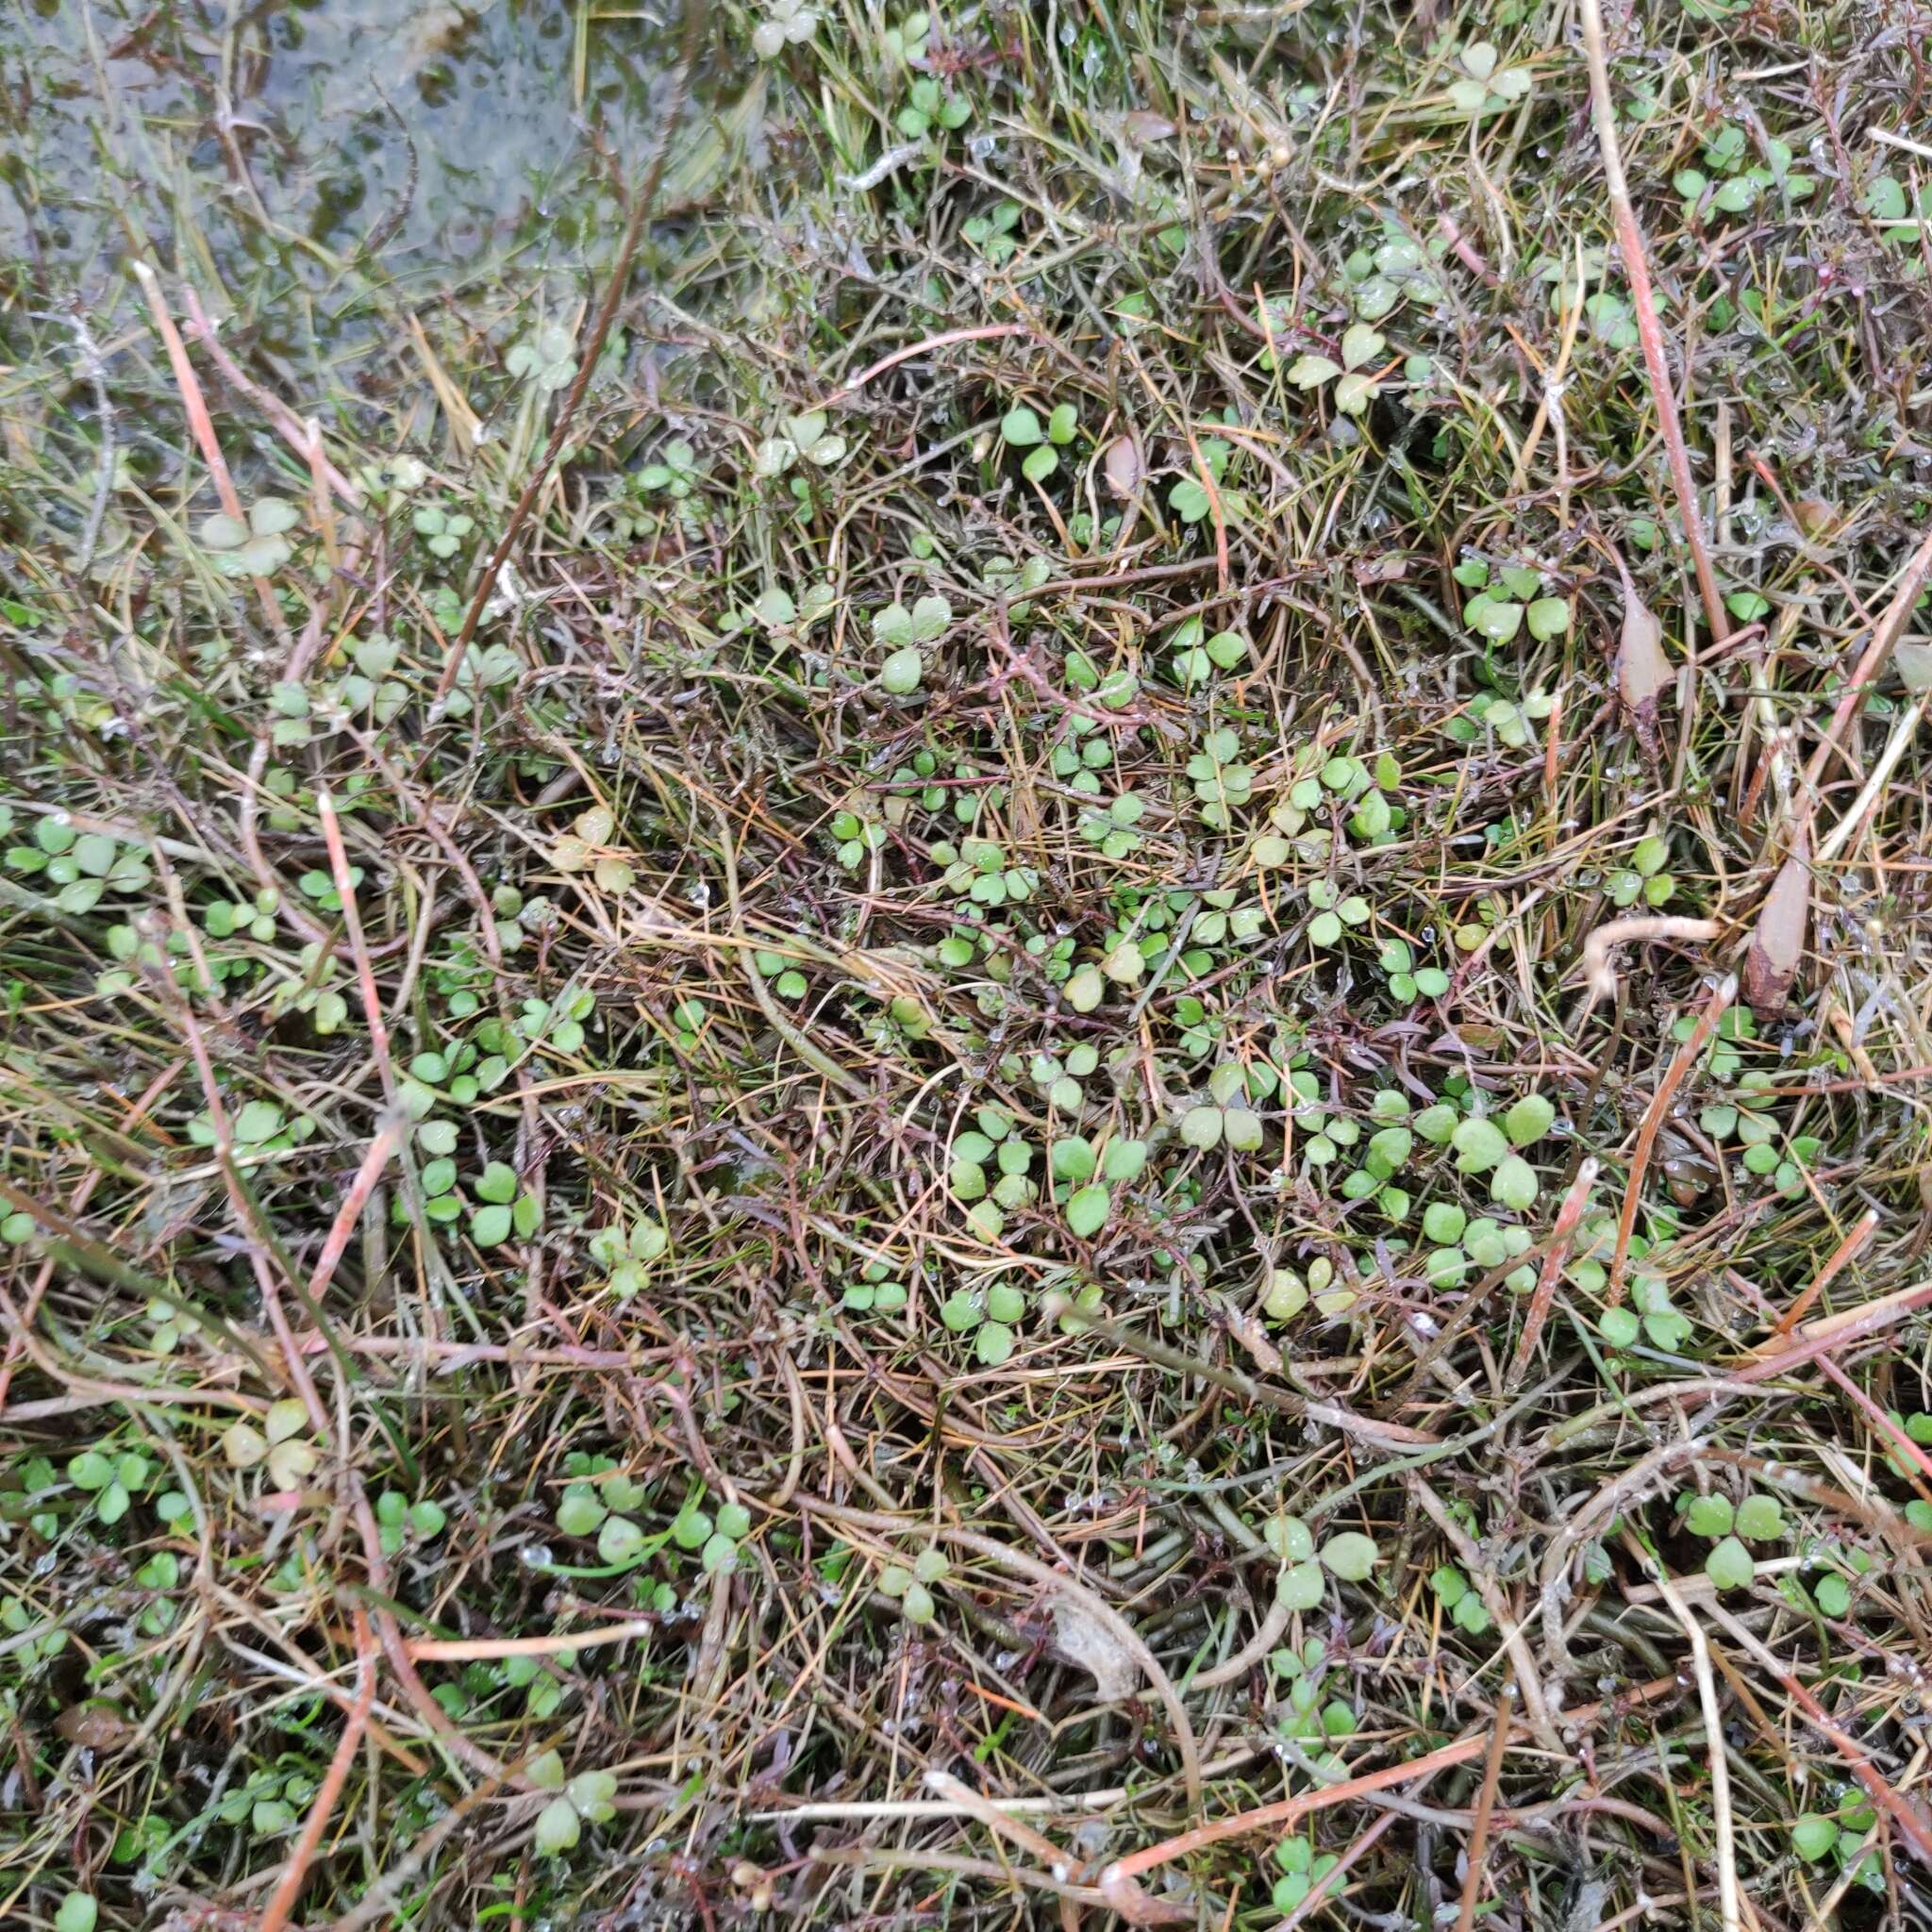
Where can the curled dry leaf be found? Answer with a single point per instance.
(1082, 1638)
(96, 1725)
(1251, 1336)
(1913, 657)
(1135, 1906)
(290, 1462)
(1123, 467)
(1643, 673)
(1599, 970)
(1777, 946)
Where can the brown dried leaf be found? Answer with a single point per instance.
(1777, 946)
(1131, 1901)
(1600, 975)
(1251, 1336)
(1124, 468)
(1082, 1638)
(96, 1725)
(1643, 673)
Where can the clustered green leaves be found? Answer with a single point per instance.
(1303, 1584)
(911, 1588)
(1758, 1518)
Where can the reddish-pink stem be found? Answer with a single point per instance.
(1649, 332)
(328, 1793)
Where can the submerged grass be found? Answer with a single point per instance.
(1110, 1107)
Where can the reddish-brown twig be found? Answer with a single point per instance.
(345, 882)
(193, 401)
(695, 14)
(1913, 1824)
(328, 1793)
(1122, 1877)
(1681, 1063)
(1650, 333)
(1780, 1354)
(202, 423)
(1478, 1855)
(291, 427)
(1900, 1442)
(1885, 633)
(854, 384)
(389, 1136)
(1544, 1294)
(1837, 1259)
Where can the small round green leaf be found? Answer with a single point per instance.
(1020, 427)
(1514, 1184)
(1301, 1587)
(994, 1343)
(77, 1913)
(1711, 1516)
(902, 672)
(1085, 989)
(1814, 1836)
(1729, 1565)
(620, 1540)
(490, 1226)
(558, 1828)
(1479, 1144)
(1086, 1211)
(1350, 1556)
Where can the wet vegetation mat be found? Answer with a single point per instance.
(965, 967)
